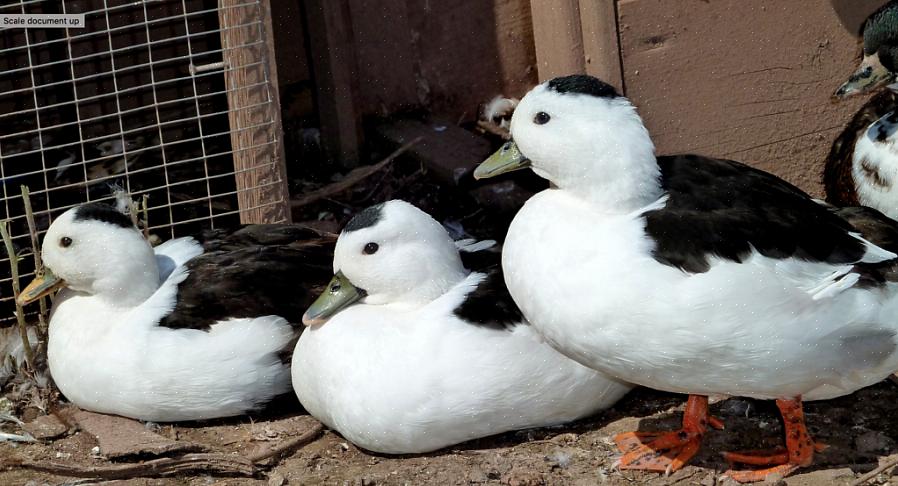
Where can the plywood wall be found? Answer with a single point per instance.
(749, 80)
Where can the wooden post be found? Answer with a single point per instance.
(334, 71)
(577, 36)
(259, 166)
(601, 46)
(558, 37)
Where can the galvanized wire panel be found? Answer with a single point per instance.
(143, 98)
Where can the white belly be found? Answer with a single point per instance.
(588, 283)
(410, 384)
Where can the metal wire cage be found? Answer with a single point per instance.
(172, 99)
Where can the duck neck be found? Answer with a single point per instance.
(618, 179)
(135, 280)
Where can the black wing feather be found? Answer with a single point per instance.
(490, 304)
(254, 271)
(724, 208)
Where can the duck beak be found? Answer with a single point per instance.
(869, 75)
(506, 159)
(43, 284)
(340, 294)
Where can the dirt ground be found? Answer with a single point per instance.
(860, 430)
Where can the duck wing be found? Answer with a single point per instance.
(726, 210)
(252, 271)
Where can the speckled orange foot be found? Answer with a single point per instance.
(668, 451)
(799, 451)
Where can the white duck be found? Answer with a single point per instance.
(689, 274)
(409, 352)
(171, 333)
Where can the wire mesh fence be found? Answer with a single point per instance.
(172, 99)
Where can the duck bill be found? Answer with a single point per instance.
(340, 293)
(506, 159)
(869, 75)
(43, 284)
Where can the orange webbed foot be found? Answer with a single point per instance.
(667, 451)
(799, 451)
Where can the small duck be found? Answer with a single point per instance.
(194, 329)
(690, 274)
(409, 352)
(862, 165)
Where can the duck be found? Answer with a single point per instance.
(691, 274)
(862, 164)
(197, 328)
(408, 351)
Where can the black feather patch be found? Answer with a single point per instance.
(880, 230)
(723, 208)
(366, 218)
(583, 84)
(255, 271)
(490, 304)
(102, 212)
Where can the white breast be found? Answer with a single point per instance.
(589, 284)
(875, 167)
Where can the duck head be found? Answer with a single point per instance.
(391, 253)
(95, 249)
(581, 135)
(880, 56)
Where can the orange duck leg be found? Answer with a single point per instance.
(668, 451)
(799, 449)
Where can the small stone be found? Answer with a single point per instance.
(45, 427)
(95, 451)
(63, 455)
(276, 479)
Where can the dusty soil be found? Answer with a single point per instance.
(859, 429)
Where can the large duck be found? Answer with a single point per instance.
(691, 274)
(195, 328)
(409, 351)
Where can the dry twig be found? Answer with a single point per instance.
(20, 315)
(889, 463)
(38, 264)
(210, 463)
(351, 179)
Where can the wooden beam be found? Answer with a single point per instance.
(257, 146)
(558, 37)
(335, 73)
(601, 48)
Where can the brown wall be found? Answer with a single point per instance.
(446, 56)
(749, 80)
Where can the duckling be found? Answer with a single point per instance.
(690, 274)
(408, 351)
(188, 330)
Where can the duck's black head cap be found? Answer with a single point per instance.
(102, 212)
(583, 84)
(881, 35)
(366, 218)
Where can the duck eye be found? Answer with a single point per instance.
(541, 118)
(65, 242)
(371, 248)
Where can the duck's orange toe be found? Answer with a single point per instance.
(662, 452)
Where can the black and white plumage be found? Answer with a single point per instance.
(434, 364)
(690, 274)
(177, 332)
